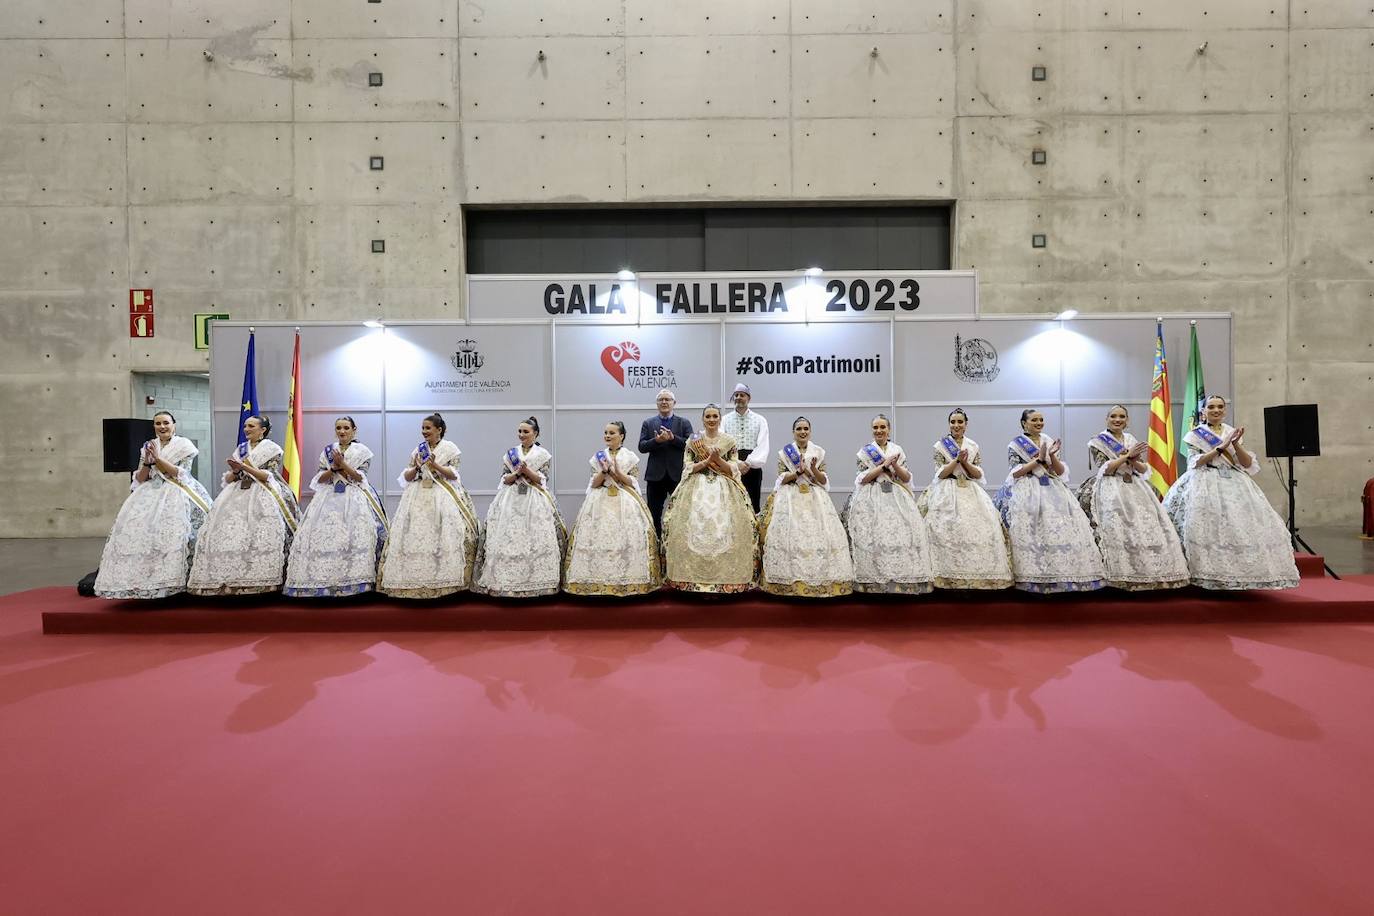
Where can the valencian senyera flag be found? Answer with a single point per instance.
(1194, 394)
(291, 460)
(1163, 456)
(248, 404)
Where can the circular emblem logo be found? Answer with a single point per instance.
(975, 360)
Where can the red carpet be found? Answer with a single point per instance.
(1208, 766)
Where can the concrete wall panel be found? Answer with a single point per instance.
(837, 76)
(1206, 156)
(170, 80)
(62, 19)
(1238, 71)
(1083, 240)
(718, 77)
(237, 22)
(706, 17)
(210, 247)
(1012, 298)
(62, 248)
(1331, 238)
(55, 164)
(1332, 320)
(1039, 15)
(419, 79)
(1083, 73)
(547, 161)
(41, 463)
(412, 19)
(62, 80)
(883, 158)
(579, 78)
(536, 17)
(1331, 14)
(1332, 70)
(1173, 240)
(422, 245)
(182, 163)
(1083, 157)
(813, 16)
(419, 162)
(1192, 15)
(388, 303)
(81, 331)
(741, 160)
(1332, 154)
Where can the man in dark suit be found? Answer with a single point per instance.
(663, 438)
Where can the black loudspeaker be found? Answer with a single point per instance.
(123, 441)
(1290, 430)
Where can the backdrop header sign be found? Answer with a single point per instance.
(669, 298)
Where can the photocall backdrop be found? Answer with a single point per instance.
(806, 350)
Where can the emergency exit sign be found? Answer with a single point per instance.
(203, 320)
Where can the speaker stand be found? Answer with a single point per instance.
(1292, 520)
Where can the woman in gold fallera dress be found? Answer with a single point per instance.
(613, 550)
(805, 548)
(710, 537)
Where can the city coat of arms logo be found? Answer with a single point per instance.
(975, 360)
(467, 359)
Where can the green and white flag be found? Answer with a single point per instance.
(1193, 394)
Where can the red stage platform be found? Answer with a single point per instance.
(1317, 599)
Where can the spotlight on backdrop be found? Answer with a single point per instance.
(1066, 315)
(625, 274)
(373, 323)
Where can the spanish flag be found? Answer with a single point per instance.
(291, 462)
(1163, 456)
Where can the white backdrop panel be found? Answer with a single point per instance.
(1112, 360)
(830, 363)
(513, 371)
(1026, 362)
(340, 366)
(626, 366)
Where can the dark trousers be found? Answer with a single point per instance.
(656, 493)
(752, 480)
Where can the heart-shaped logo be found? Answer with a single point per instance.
(613, 356)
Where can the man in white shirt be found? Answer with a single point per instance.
(750, 431)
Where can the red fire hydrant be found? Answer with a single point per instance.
(1368, 531)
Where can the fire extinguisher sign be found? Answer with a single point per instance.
(140, 313)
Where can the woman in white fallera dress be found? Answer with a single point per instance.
(433, 541)
(1231, 535)
(242, 548)
(340, 540)
(887, 535)
(613, 550)
(522, 554)
(1140, 548)
(148, 553)
(805, 548)
(1052, 546)
(968, 544)
(710, 535)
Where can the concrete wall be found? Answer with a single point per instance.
(1239, 179)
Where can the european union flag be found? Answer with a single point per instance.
(248, 406)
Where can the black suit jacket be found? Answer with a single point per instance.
(665, 458)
